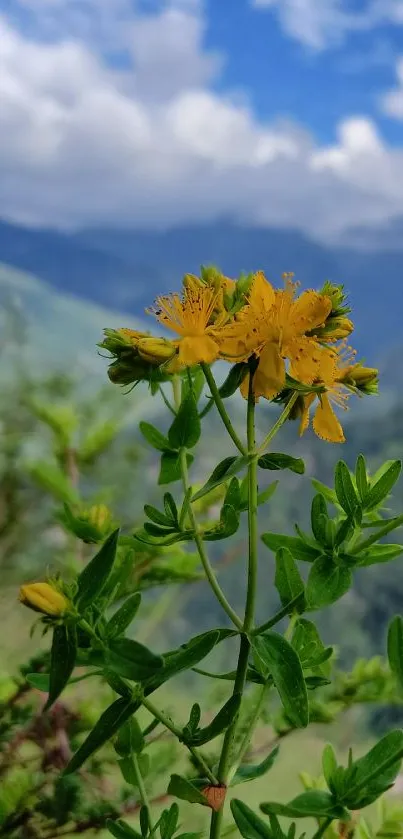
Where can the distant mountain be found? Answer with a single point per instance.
(126, 269)
(55, 330)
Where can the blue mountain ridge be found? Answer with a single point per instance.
(125, 269)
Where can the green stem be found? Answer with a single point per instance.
(221, 408)
(167, 722)
(391, 525)
(224, 767)
(208, 569)
(251, 727)
(281, 420)
(142, 790)
(323, 828)
(282, 613)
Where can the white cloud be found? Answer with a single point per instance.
(320, 24)
(392, 101)
(83, 143)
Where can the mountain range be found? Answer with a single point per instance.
(123, 270)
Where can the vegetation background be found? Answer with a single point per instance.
(68, 435)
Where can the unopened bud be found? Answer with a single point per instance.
(42, 597)
(156, 350)
(100, 517)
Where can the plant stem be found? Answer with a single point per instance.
(208, 569)
(224, 768)
(167, 722)
(142, 789)
(391, 525)
(282, 613)
(221, 408)
(323, 828)
(250, 729)
(281, 420)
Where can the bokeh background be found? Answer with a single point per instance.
(140, 139)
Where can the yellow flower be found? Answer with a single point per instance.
(277, 325)
(42, 597)
(333, 374)
(202, 336)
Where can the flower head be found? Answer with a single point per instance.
(201, 323)
(339, 375)
(44, 598)
(278, 324)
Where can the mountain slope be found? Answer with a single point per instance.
(58, 330)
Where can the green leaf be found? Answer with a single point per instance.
(132, 660)
(344, 487)
(227, 526)
(130, 739)
(329, 765)
(154, 437)
(326, 582)
(124, 616)
(97, 441)
(53, 480)
(328, 494)
(383, 486)
(275, 461)
(309, 645)
(228, 467)
(298, 549)
(319, 520)
(312, 803)
(170, 507)
(170, 470)
(219, 724)
(283, 664)
(185, 790)
(185, 429)
(169, 821)
(188, 655)
(379, 553)
(374, 773)
(266, 494)
(395, 647)
(233, 494)
(288, 580)
(156, 516)
(250, 772)
(361, 477)
(234, 379)
(62, 660)
(106, 727)
(93, 578)
(248, 823)
(121, 830)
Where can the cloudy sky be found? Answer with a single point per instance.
(156, 112)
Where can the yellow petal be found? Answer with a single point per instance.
(244, 387)
(197, 350)
(307, 402)
(305, 356)
(309, 311)
(269, 378)
(261, 295)
(325, 423)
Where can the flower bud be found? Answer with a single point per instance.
(335, 329)
(363, 378)
(156, 350)
(99, 516)
(42, 597)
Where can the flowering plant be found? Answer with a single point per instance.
(291, 350)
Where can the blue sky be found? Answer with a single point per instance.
(156, 112)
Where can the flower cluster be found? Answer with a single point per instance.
(284, 342)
